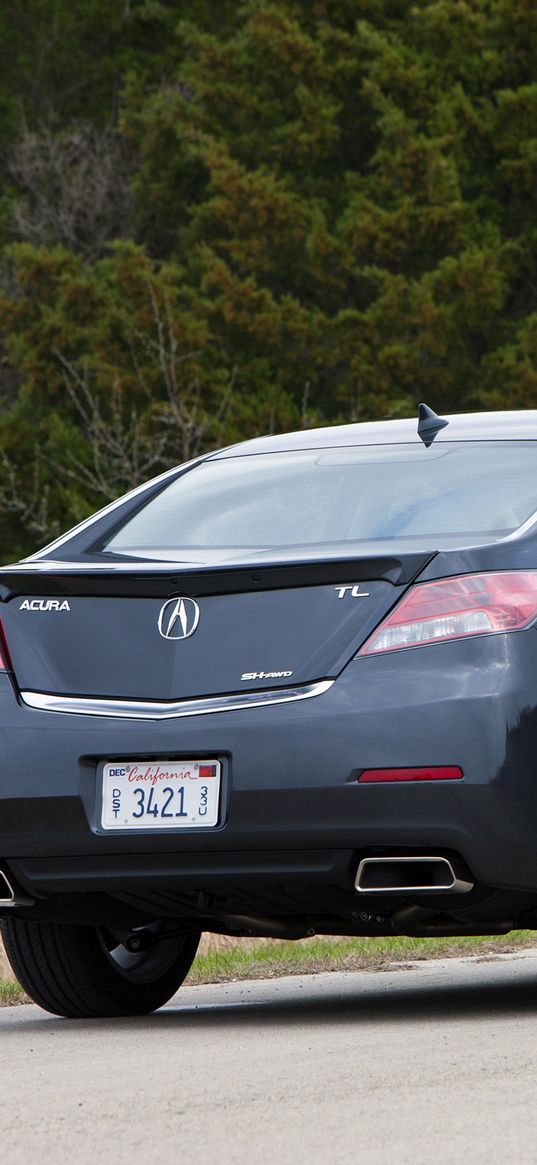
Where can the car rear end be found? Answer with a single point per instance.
(290, 690)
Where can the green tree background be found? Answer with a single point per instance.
(225, 218)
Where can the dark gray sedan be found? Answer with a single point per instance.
(287, 688)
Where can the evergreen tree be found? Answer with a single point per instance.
(220, 219)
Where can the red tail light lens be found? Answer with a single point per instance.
(452, 608)
(5, 658)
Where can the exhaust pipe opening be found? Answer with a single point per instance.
(409, 875)
(9, 896)
(7, 893)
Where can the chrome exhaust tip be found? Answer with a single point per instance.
(409, 875)
(9, 896)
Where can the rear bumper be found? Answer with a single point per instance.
(245, 872)
(293, 811)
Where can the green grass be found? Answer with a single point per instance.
(271, 960)
(10, 993)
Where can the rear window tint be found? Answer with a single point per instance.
(449, 494)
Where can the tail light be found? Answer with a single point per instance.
(453, 608)
(5, 658)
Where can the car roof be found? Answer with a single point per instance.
(498, 426)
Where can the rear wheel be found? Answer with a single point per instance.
(87, 971)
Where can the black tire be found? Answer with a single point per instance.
(86, 972)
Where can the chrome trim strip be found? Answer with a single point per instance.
(170, 710)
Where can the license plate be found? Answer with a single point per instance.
(146, 795)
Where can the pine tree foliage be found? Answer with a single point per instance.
(218, 219)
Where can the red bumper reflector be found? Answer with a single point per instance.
(206, 772)
(444, 773)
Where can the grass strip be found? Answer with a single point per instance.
(11, 993)
(269, 960)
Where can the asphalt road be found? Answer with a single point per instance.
(432, 1062)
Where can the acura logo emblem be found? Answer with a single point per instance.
(178, 618)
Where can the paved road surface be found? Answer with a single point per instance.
(432, 1062)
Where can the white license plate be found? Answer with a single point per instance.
(146, 795)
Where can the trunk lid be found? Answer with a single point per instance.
(149, 633)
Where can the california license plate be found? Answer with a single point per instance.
(146, 795)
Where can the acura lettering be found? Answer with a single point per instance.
(44, 605)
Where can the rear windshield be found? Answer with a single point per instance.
(406, 495)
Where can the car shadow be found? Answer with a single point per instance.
(361, 998)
